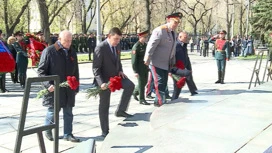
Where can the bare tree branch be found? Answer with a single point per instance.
(58, 11)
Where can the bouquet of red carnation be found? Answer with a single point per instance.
(114, 84)
(71, 82)
(180, 64)
(180, 80)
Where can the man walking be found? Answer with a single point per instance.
(106, 64)
(139, 68)
(59, 59)
(160, 55)
(182, 56)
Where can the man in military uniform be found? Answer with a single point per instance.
(160, 55)
(206, 47)
(139, 68)
(75, 42)
(91, 44)
(81, 42)
(221, 46)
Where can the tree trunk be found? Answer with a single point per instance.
(241, 21)
(195, 31)
(44, 19)
(148, 15)
(28, 19)
(10, 29)
(84, 18)
(228, 22)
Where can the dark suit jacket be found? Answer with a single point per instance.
(105, 65)
(182, 54)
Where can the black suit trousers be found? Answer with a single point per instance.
(104, 103)
(190, 83)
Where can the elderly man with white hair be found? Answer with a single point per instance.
(59, 59)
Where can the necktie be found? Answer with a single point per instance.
(113, 51)
(173, 34)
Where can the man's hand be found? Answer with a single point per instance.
(146, 63)
(51, 88)
(103, 86)
(136, 75)
(121, 74)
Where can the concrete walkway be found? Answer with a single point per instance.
(223, 117)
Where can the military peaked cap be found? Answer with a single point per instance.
(176, 16)
(18, 33)
(142, 34)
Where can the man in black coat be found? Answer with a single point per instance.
(106, 64)
(91, 42)
(182, 55)
(59, 59)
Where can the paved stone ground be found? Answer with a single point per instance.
(86, 121)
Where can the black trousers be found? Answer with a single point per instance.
(190, 83)
(3, 82)
(104, 103)
(91, 50)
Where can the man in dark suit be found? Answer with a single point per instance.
(182, 55)
(106, 64)
(91, 41)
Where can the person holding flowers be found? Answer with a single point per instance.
(106, 66)
(183, 64)
(59, 59)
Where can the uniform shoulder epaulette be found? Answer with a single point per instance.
(164, 27)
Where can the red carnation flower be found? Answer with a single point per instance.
(181, 82)
(180, 64)
(72, 59)
(115, 83)
(72, 82)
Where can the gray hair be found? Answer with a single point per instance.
(64, 34)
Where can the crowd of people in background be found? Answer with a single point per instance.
(238, 46)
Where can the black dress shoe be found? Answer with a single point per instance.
(49, 136)
(71, 138)
(194, 93)
(122, 114)
(218, 81)
(149, 97)
(135, 97)
(144, 102)
(104, 134)
(168, 97)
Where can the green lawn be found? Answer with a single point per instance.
(251, 57)
(84, 57)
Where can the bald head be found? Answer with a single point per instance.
(65, 38)
(183, 37)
